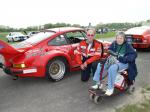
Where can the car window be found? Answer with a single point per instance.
(16, 33)
(75, 37)
(39, 37)
(58, 41)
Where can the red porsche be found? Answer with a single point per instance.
(139, 37)
(50, 53)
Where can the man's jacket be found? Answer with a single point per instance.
(93, 54)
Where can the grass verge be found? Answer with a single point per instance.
(105, 35)
(144, 106)
(3, 36)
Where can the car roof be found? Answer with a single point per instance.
(64, 29)
(137, 30)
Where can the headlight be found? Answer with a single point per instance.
(22, 65)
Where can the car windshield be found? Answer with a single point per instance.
(39, 37)
(16, 33)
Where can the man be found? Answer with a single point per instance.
(126, 59)
(87, 53)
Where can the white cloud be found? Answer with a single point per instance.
(23, 13)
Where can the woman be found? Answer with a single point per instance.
(126, 59)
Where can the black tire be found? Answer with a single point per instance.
(56, 69)
(97, 99)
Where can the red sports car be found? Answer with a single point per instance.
(49, 53)
(139, 37)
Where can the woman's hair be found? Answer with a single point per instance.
(120, 33)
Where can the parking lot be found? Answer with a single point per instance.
(68, 95)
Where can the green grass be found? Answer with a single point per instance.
(3, 36)
(143, 107)
(139, 107)
(147, 88)
(105, 35)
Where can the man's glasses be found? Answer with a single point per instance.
(90, 35)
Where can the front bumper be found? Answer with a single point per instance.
(14, 71)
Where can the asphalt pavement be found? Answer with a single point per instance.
(68, 95)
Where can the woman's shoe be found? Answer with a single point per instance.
(109, 92)
(97, 86)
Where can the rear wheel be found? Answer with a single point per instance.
(56, 69)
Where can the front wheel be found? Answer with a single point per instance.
(56, 69)
(91, 96)
(97, 99)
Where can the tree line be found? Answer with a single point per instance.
(116, 26)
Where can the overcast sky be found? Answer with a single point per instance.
(23, 13)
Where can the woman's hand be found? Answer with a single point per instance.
(112, 53)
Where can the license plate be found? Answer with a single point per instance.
(29, 71)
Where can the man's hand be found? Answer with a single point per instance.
(83, 66)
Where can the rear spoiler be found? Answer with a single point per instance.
(5, 48)
(8, 51)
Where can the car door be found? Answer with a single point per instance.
(60, 43)
(74, 38)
